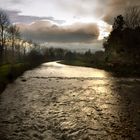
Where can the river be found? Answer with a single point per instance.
(60, 102)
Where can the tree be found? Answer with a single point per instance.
(132, 17)
(123, 43)
(4, 24)
(118, 23)
(70, 56)
(14, 35)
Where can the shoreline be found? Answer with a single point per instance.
(12, 72)
(116, 71)
(16, 72)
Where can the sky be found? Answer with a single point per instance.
(65, 21)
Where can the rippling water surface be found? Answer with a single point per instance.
(59, 102)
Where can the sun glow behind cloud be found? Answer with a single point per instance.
(104, 29)
(63, 15)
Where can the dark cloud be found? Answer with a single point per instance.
(16, 17)
(47, 31)
(116, 7)
(71, 11)
(66, 9)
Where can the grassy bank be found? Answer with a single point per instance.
(117, 70)
(9, 72)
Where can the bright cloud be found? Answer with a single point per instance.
(66, 14)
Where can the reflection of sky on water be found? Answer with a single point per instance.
(54, 69)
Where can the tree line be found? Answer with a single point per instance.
(13, 48)
(122, 47)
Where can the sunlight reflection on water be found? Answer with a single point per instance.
(54, 69)
(64, 99)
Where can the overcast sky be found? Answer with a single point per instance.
(65, 20)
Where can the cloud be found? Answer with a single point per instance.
(68, 12)
(15, 1)
(116, 7)
(15, 17)
(69, 9)
(49, 31)
(60, 9)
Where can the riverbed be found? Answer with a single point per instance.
(61, 102)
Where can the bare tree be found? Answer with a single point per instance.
(14, 35)
(132, 17)
(4, 23)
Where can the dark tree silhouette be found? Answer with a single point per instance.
(123, 44)
(118, 23)
(70, 56)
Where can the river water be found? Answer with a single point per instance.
(59, 102)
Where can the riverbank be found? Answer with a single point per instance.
(9, 72)
(117, 70)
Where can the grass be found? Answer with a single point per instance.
(74, 63)
(9, 72)
(11, 69)
(83, 63)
